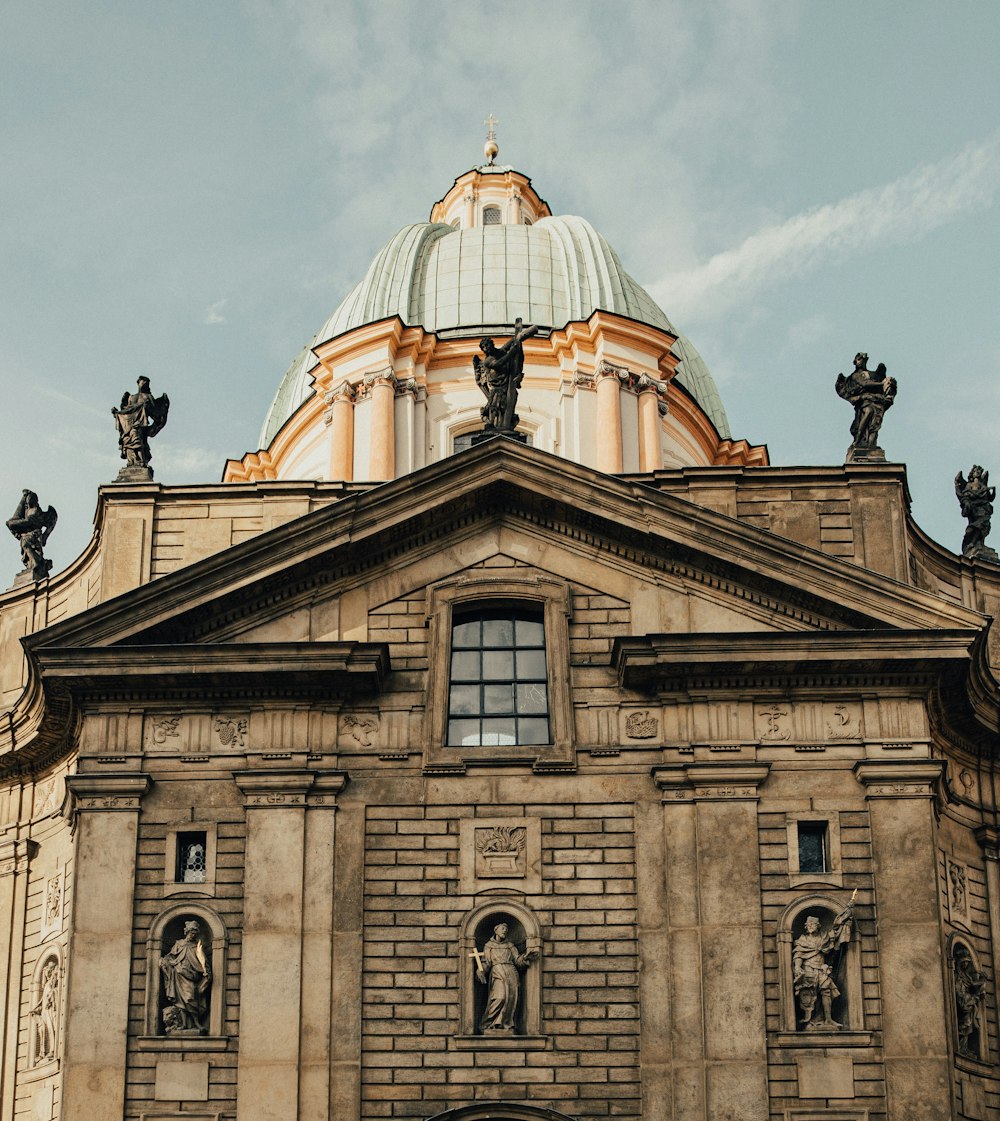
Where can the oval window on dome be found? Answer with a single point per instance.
(491, 215)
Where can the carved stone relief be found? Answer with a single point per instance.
(641, 725)
(360, 727)
(773, 722)
(958, 892)
(969, 984)
(231, 730)
(165, 728)
(186, 977)
(44, 1012)
(843, 721)
(52, 905)
(500, 852)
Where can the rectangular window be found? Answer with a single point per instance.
(498, 684)
(192, 851)
(813, 847)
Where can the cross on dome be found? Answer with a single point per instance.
(491, 148)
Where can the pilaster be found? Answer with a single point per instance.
(340, 415)
(652, 404)
(609, 417)
(715, 939)
(16, 854)
(900, 804)
(382, 453)
(106, 812)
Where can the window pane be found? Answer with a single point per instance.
(498, 698)
(531, 665)
(498, 665)
(530, 632)
(812, 846)
(498, 632)
(463, 732)
(466, 634)
(191, 848)
(465, 665)
(533, 730)
(498, 732)
(532, 698)
(464, 700)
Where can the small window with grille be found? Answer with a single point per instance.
(491, 215)
(813, 847)
(498, 684)
(192, 852)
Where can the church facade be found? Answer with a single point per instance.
(603, 770)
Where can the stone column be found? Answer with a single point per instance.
(382, 455)
(650, 444)
(900, 797)
(341, 418)
(989, 838)
(609, 418)
(15, 859)
(715, 937)
(99, 969)
(271, 988)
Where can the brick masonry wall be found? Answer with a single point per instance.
(413, 917)
(776, 895)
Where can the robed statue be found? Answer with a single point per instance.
(976, 496)
(32, 526)
(498, 967)
(498, 374)
(187, 977)
(139, 417)
(871, 394)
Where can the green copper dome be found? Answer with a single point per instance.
(472, 281)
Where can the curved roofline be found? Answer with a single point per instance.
(492, 169)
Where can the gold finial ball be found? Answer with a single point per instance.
(490, 150)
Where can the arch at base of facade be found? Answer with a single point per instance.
(500, 1111)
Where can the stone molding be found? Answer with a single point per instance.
(264, 790)
(988, 837)
(710, 782)
(903, 778)
(16, 854)
(115, 792)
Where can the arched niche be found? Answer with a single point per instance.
(167, 931)
(523, 932)
(500, 1111)
(845, 960)
(45, 1012)
(968, 1000)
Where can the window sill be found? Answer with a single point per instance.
(183, 1042)
(827, 1039)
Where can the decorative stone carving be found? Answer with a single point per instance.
(360, 728)
(958, 892)
(843, 721)
(138, 418)
(497, 967)
(816, 957)
(231, 730)
(32, 526)
(871, 394)
(975, 496)
(164, 728)
(187, 979)
(52, 905)
(970, 993)
(500, 849)
(498, 374)
(642, 725)
(44, 1011)
(772, 723)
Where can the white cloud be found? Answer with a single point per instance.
(899, 212)
(213, 314)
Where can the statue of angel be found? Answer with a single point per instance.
(139, 417)
(498, 375)
(32, 526)
(976, 496)
(871, 394)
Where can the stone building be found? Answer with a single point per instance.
(611, 773)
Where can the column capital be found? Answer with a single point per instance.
(710, 782)
(622, 373)
(899, 778)
(343, 391)
(988, 837)
(117, 792)
(16, 853)
(267, 790)
(385, 376)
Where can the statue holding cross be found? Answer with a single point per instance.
(497, 966)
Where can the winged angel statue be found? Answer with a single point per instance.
(139, 417)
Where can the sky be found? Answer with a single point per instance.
(189, 189)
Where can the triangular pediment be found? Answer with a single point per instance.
(566, 519)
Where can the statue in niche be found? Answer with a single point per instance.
(498, 375)
(970, 989)
(815, 957)
(187, 978)
(976, 496)
(871, 394)
(32, 526)
(497, 966)
(45, 1014)
(139, 417)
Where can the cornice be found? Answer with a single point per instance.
(108, 792)
(899, 778)
(710, 782)
(16, 854)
